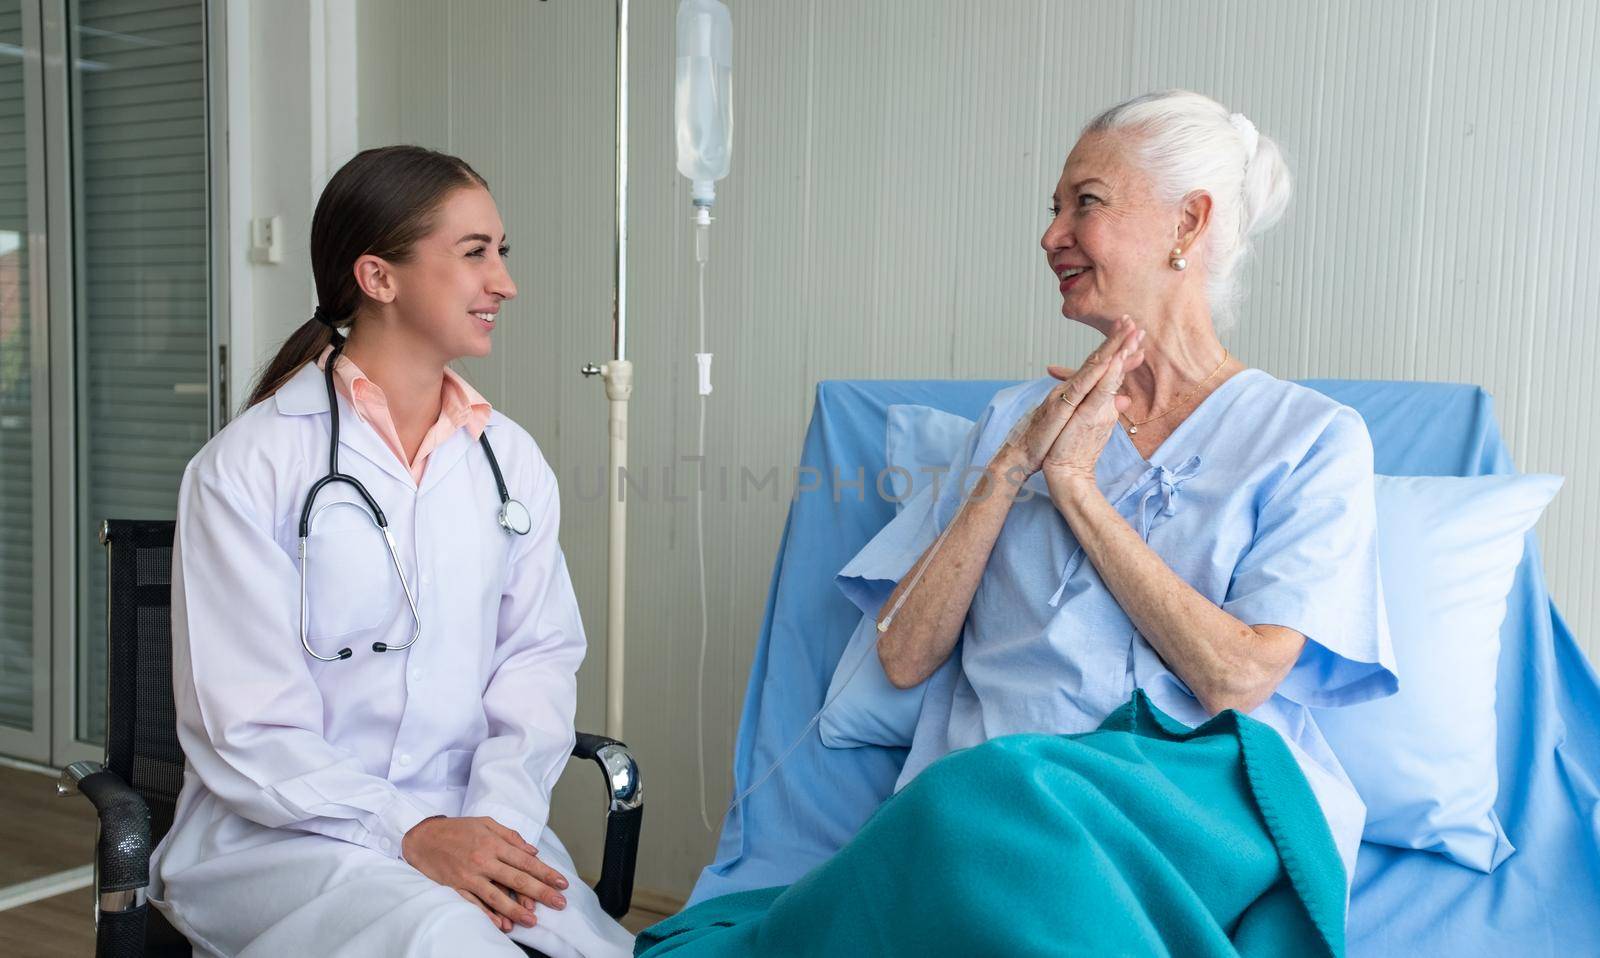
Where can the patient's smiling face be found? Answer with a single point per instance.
(1110, 241)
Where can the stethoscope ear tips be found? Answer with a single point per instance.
(344, 654)
(379, 647)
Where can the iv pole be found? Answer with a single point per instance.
(618, 377)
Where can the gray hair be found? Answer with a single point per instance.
(1187, 142)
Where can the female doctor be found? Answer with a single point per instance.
(375, 674)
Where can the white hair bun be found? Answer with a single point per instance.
(1247, 133)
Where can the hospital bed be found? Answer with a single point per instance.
(135, 791)
(1544, 900)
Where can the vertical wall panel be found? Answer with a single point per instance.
(523, 92)
(891, 166)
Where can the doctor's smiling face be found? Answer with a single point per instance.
(444, 298)
(1109, 238)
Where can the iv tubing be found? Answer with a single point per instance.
(701, 240)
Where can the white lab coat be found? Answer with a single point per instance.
(303, 776)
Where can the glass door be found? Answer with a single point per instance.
(107, 349)
(141, 330)
(24, 393)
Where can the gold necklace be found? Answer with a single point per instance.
(1133, 427)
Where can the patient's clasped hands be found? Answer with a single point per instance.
(1066, 432)
(486, 863)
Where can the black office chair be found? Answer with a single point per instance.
(137, 790)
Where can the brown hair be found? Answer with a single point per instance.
(379, 203)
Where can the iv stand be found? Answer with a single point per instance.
(618, 377)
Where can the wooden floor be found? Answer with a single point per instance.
(635, 921)
(59, 927)
(42, 835)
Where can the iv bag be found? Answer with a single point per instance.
(704, 104)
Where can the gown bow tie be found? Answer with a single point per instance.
(1156, 481)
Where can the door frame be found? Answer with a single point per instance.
(33, 743)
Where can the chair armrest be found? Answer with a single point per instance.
(122, 857)
(123, 851)
(624, 818)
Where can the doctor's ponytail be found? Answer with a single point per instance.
(380, 203)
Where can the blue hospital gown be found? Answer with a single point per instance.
(1262, 500)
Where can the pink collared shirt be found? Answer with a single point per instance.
(462, 406)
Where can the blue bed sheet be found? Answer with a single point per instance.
(1544, 900)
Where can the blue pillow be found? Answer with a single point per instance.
(920, 443)
(862, 706)
(1424, 759)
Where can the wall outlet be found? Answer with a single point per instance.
(266, 239)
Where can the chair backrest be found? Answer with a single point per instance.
(142, 726)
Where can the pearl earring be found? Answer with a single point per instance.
(1178, 262)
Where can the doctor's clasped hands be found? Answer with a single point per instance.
(486, 863)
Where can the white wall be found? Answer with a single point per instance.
(891, 168)
(292, 122)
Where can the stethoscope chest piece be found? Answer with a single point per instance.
(514, 517)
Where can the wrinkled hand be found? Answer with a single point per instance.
(1035, 436)
(1092, 392)
(486, 863)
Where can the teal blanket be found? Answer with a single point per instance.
(1143, 837)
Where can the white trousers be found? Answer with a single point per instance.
(293, 893)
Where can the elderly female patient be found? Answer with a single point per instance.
(1161, 534)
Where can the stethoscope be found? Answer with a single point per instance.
(514, 518)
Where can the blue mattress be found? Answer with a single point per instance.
(1544, 900)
